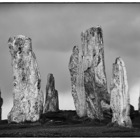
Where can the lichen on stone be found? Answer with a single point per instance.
(51, 101)
(120, 101)
(28, 97)
(87, 70)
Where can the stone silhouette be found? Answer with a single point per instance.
(1, 103)
(28, 97)
(88, 77)
(51, 102)
(120, 103)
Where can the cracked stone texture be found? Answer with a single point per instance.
(51, 102)
(105, 106)
(27, 95)
(87, 71)
(120, 102)
(94, 109)
(1, 103)
(77, 82)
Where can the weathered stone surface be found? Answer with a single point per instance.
(88, 78)
(77, 82)
(28, 97)
(51, 102)
(1, 103)
(94, 71)
(105, 106)
(120, 103)
(93, 99)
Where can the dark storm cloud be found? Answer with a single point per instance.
(58, 27)
(48, 25)
(125, 38)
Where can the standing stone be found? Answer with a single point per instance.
(94, 71)
(88, 77)
(120, 103)
(28, 97)
(77, 82)
(1, 103)
(51, 102)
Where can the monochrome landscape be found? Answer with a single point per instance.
(92, 104)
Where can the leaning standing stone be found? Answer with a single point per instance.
(28, 97)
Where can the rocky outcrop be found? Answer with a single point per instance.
(28, 98)
(51, 102)
(1, 103)
(88, 78)
(120, 103)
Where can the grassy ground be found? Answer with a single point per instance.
(67, 128)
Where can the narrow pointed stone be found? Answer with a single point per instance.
(77, 82)
(51, 102)
(28, 97)
(120, 102)
(1, 103)
(87, 70)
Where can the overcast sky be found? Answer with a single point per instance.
(56, 28)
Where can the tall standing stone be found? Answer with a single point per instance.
(94, 71)
(51, 102)
(28, 97)
(1, 103)
(88, 77)
(77, 82)
(120, 103)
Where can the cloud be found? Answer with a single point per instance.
(58, 27)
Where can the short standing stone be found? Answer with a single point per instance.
(28, 97)
(51, 102)
(120, 103)
(1, 103)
